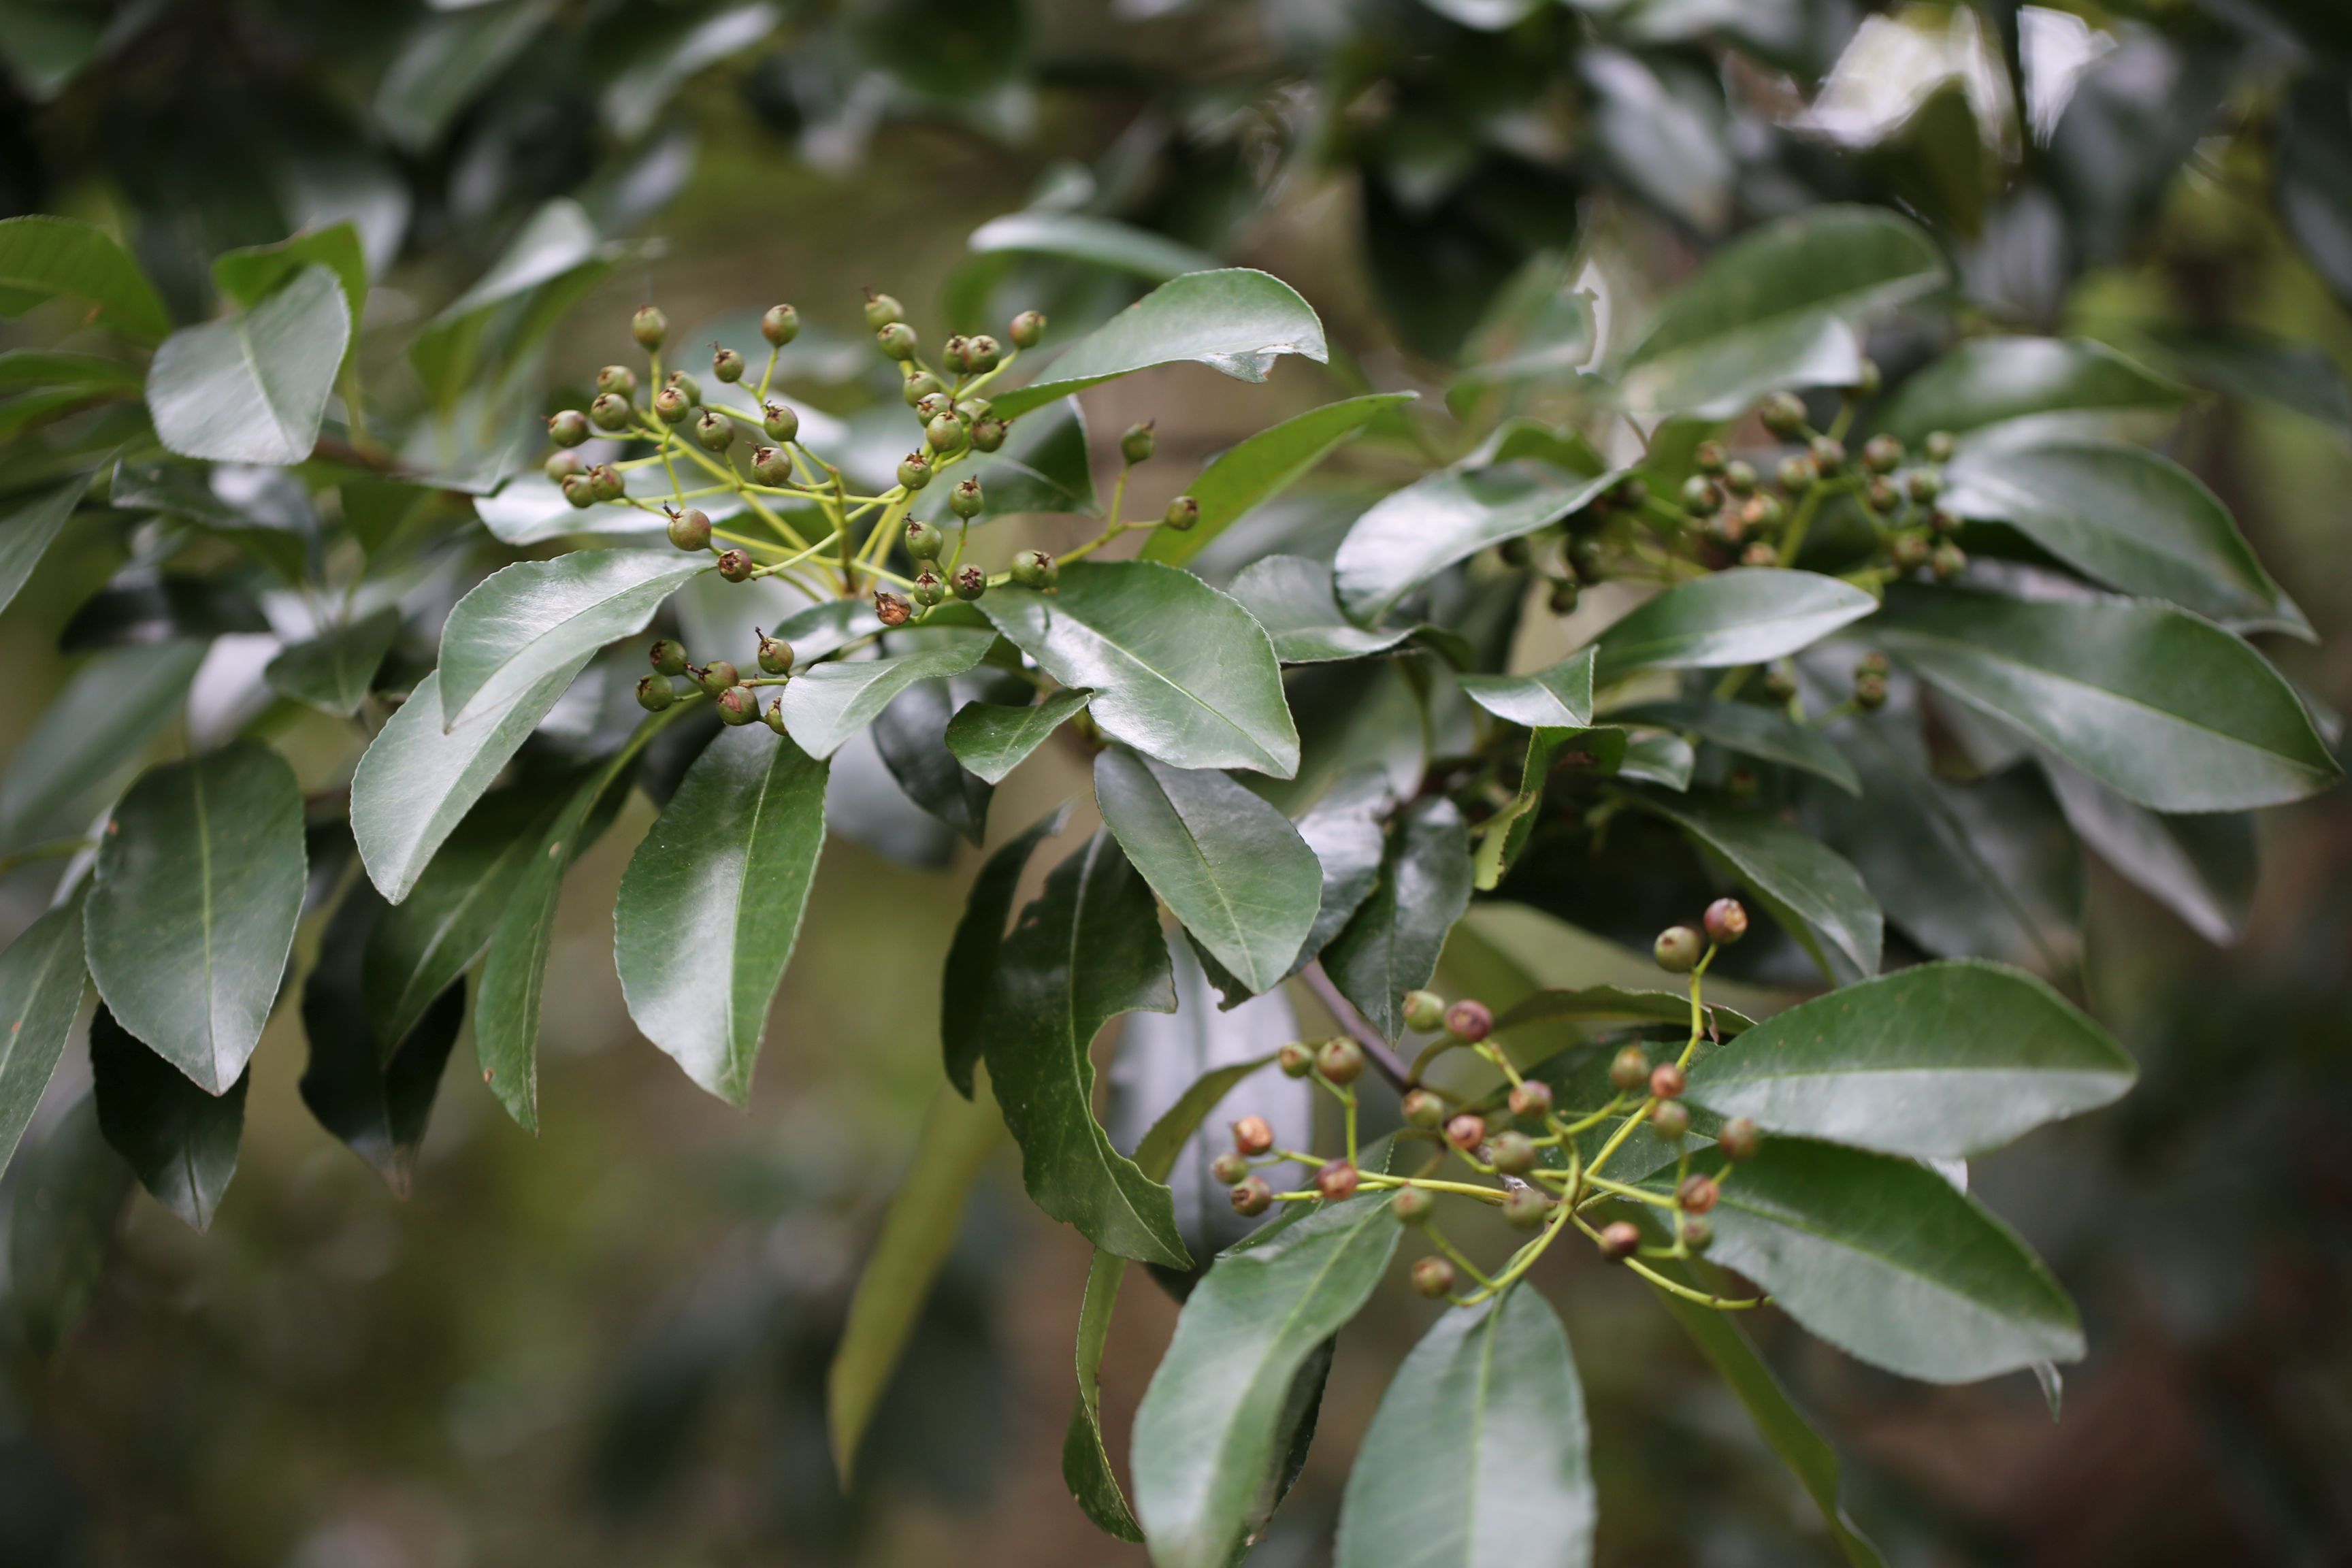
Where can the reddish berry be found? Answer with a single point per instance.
(1432, 1277)
(1252, 1135)
(1629, 1068)
(1414, 1204)
(1467, 1131)
(1620, 1240)
(1469, 1020)
(734, 565)
(1697, 1194)
(892, 609)
(1670, 1119)
(1531, 1101)
(1727, 921)
(1253, 1197)
(1336, 1181)
(1425, 1110)
(1739, 1139)
(1667, 1082)
(1340, 1060)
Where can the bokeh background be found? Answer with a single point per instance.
(608, 1345)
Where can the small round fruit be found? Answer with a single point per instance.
(892, 609)
(1948, 560)
(881, 309)
(924, 540)
(668, 656)
(561, 465)
(1670, 1119)
(1938, 445)
(671, 405)
(772, 466)
(718, 676)
(927, 589)
(920, 385)
(914, 471)
(1796, 474)
(896, 340)
(609, 412)
(970, 582)
(1739, 1139)
(1709, 458)
(1414, 1204)
(1035, 569)
(1882, 454)
(1469, 1020)
(1698, 1234)
(1667, 1080)
(1907, 551)
(1727, 921)
(727, 365)
(1514, 1154)
(1432, 1277)
(1739, 477)
(1181, 514)
(1828, 454)
(1628, 1069)
(988, 433)
(1526, 1208)
(1564, 596)
(1677, 950)
(1424, 1010)
(604, 482)
(1700, 496)
(1531, 1101)
(946, 434)
(1228, 1169)
(1870, 693)
(734, 565)
(968, 500)
(1252, 1198)
(954, 354)
(714, 431)
(982, 353)
(1340, 1060)
(1467, 1131)
(1295, 1059)
(1136, 445)
(1923, 485)
(1697, 1194)
(577, 489)
(654, 693)
(781, 325)
(687, 387)
(1337, 1181)
(1253, 1135)
(1783, 414)
(781, 422)
(691, 529)
(1884, 495)
(1423, 1110)
(619, 380)
(739, 705)
(1619, 1239)
(567, 428)
(649, 327)
(1027, 329)
(775, 655)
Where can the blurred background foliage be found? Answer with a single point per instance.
(608, 1345)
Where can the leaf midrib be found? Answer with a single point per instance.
(1138, 661)
(1787, 1222)
(522, 650)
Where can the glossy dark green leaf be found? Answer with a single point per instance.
(1558, 698)
(1179, 671)
(1411, 536)
(1085, 950)
(970, 967)
(1085, 1460)
(1206, 1435)
(1344, 829)
(2302, 378)
(1783, 1427)
(1232, 867)
(69, 1202)
(274, 533)
(544, 270)
(2202, 868)
(198, 888)
(334, 671)
(522, 624)
(991, 740)
(1674, 147)
(1077, 236)
(377, 1103)
(252, 389)
(55, 369)
(42, 257)
(1745, 616)
(28, 531)
(1503, 834)
(1881, 1257)
(180, 1139)
(911, 734)
(1814, 893)
(2057, 383)
(827, 704)
(67, 758)
(1392, 945)
(1262, 467)
(143, 609)
(711, 906)
(41, 977)
(1614, 1004)
(1236, 320)
(1779, 308)
(1478, 1454)
(2168, 710)
(1940, 1059)
(634, 100)
(1767, 735)
(2128, 517)
(1292, 598)
(250, 275)
(418, 778)
(446, 60)
(918, 1235)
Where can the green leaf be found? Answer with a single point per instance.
(972, 960)
(1881, 1257)
(1236, 321)
(724, 876)
(992, 739)
(2203, 868)
(1613, 1005)
(521, 624)
(61, 1227)
(42, 257)
(918, 1235)
(633, 100)
(1263, 467)
(1778, 1420)
(910, 733)
(2058, 384)
(1087, 949)
(1232, 867)
(1392, 945)
(1940, 1059)
(1103, 242)
(62, 370)
(376, 1102)
(1042, 467)
(1745, 616)
(252, 389)
(2166, 710)
(1502, 835)
(1766, 733)
(1560, 698)
(249, 275)
(1779, 308)
(555, 259)
(2125, 517)
(418, 778)
(1344, 829)
(825, 704)
(1204, 1438)
(41, 977)
(1179, 671)
(28, 531)
(1478, 1454)
(2302, 378)
(1292, 598)
(139, 609)
(198, 888)
(1411, 536)
(1817, 896)
(334, 672)
(66, 757)
(180, 1139)
(450, 59)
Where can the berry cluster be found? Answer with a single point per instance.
(1527, 1151)
(719, 681)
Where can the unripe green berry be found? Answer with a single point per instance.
(1531, 1100)
(988, 433)
(1181, 514)
(1424, 1010)
(927, 589)
(1739, 1139)
(1137, 445)
(945, 434)
(920, 385)
(1253, 1135)
(1337, 1181)
(1252, 1198)
(1699, 496)
(568, 429)
(892, 609)
(1564, 596)
(718, 676)
(649, 327)
(1882, 454)
(914, 470)
(654, 693)
(953, 353)
(1425, 1110)
(1709, 458)
(687, 387)
(1628, 1069)
(931, 407)
(561, 465)
(691, 529)
(775, 655)
(1525, 1209)
(609, 412)
(1514, 1154)
(896, 340)
(738, 705)
(727, 365)
(671, 405)
(925, 541)
(1871, 663)
(1938, 445)
(1667, 1082)
(1941, 521)
(1870, 693)
(1739, 477)
(1027, 329)
(1883, 494)
(781, 325)
(1469, 1020)
(1795, 473)
(734, 565)
(668, 657)
(1432, 1277)
(1619, 1239)
(714, 431)
(1295, 1059)
(1828, 454)
(1467, 1131)
(1726, 921)
(967, 500)
(1783, 414)
(970, 582)
(1698, 1234)
(1948, 560)
(982, 354)
(604, 482)
(1670, 1119)
(619, 380)
(1677, 950)
(771, 465)
(1228, 1168)
(1035, 569)
(1412, 1206)
(881, 310)
(783, 424)
(1340, 1060)
(1907, 551)
(1923, 485)
(1697, 1194)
